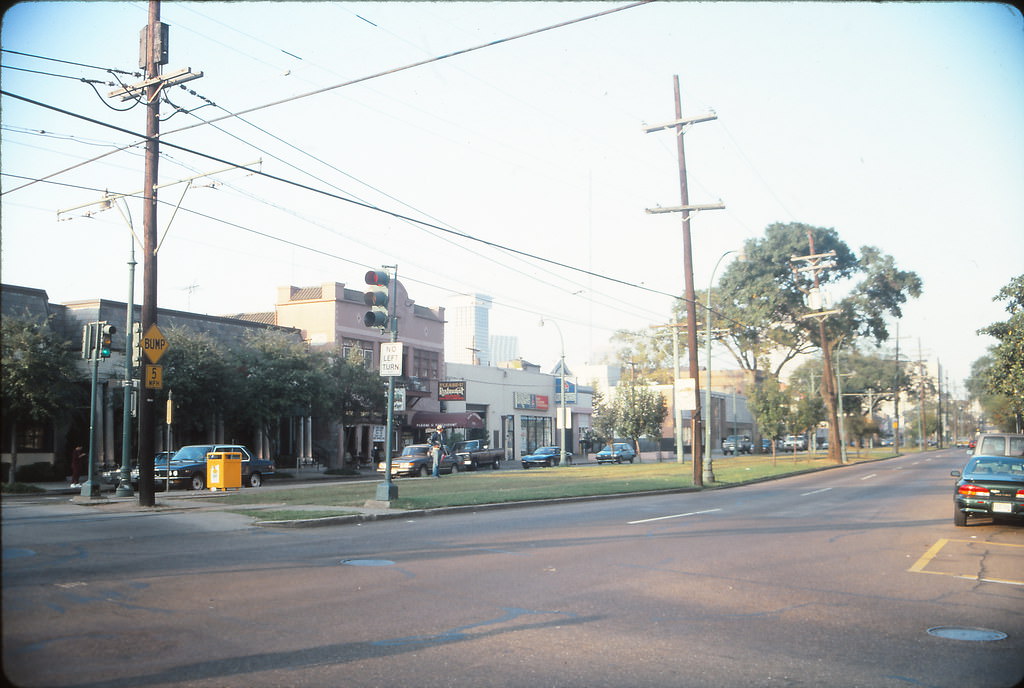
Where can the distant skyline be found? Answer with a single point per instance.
(898, 124)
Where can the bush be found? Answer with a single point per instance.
(40, 472)
(20, 488)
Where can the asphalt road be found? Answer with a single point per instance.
(827, 579)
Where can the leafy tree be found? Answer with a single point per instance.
(649, 354)
(198, 369)
(1006, 374)
(279, 379)
(998, 408)
(604, 419)
(770, 405)
(39, 377)
(767, 292)
(640, 411)
(350, 391)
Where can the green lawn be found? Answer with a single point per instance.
(489, 487)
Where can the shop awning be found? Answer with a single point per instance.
(430, 419)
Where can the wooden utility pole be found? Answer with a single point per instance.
(690, 295)
(816, 263)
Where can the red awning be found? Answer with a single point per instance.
(429, 419)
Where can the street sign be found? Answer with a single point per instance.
(154, 344)
(391, 359)
(154, 376)
(686, 394)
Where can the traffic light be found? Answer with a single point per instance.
(106, 335)
(376, 299)
(89, 341)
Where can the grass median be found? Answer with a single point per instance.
(492, 487)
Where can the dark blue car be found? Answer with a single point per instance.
(542, 456)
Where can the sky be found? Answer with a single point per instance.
(524, 160)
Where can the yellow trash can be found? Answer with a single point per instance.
(224, 470)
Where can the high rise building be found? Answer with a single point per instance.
(504, 347)
(467, 336)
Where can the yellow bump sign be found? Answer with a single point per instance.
(154, 344)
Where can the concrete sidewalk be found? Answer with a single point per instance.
(304, 474)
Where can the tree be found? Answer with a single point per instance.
(604, 420)
(649, 354)
(278, 380)
(39, 377)
(640, 411)
(997, 408)
(198, 369)
(767, 293)
(770, 405)
(350, 392)
(1006, 374)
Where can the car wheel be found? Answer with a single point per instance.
(423, 471)
(496, 465)
(255, 480)
(455, 468)
(526, 466)
(959, 517)
(198, 481)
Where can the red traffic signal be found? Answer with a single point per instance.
(376, 299)
(377, 278)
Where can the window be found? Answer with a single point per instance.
(363, 347)
(426, 364)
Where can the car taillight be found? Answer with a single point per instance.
(1020, 494)
(975, 491)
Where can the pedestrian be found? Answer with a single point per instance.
(76, 466)
(436, 440)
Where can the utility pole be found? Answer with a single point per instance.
(896, 397)
(690, 295)
(815, 263)
(153, 53)
(154, 56)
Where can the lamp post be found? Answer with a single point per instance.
(561, 397)
(709, 474)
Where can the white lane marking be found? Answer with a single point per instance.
(824, 489)
(662, 518)
(869, 477)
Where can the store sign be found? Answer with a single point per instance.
(534, 402)
(451, 390)
(570, 391)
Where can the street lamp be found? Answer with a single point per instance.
(709, 474)
(561, 397)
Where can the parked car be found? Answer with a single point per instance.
(417, 460)
(474, 453)
(542, 456)
(113, 476)
(616, 453)
(766, 445)
(188, 466)
(989, 486)
(795, 443)
(998, 444)
(737, 444)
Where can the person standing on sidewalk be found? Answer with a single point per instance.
(436, 440)
(77, 457)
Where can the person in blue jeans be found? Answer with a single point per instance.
(436, 440)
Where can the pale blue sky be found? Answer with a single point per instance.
(898, 124)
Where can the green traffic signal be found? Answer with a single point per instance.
(106, 338)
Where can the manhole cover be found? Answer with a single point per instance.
(367, 562)
(960, 633)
